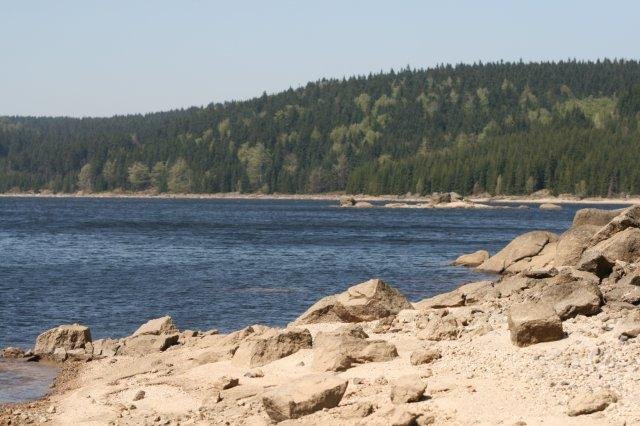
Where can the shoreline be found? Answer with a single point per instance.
(333, 196)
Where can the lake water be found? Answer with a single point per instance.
(112, 264)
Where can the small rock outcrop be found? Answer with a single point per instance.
(349, 346)
(531, 323)
(550, 206)
(600, 258)
(270, 346)
(368, 301)
(591, 402)
(67, 337)
(162, 325)
(472, 259)
(304, 396)
(13, 352)
(147, 343)
(424, 356)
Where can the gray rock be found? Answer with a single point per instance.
(531, 323)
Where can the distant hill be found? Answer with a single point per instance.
(508, 128)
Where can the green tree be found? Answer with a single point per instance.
(159, 176)
(85, 178)
(180, 177)
(139, 176)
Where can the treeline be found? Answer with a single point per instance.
(503, 128)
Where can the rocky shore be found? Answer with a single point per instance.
(551, 340)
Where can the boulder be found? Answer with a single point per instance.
(526, 245)
(572, 244)
(363, 205)
(347, 201)
(265, 348)
(570, 296)
(304, 396)
(71, 336)
(543, 260)
(591, 402)
(368, 301)
(600, 259)
(550, 206)
(343, 348)
(628, 218)
(514, 284)
(594, 217)
(147, 343)
(407, 389)
(440, 197)
(621, 292)
(424, 356)
(472, 259)
(105, 347)
(13, 352)
(225, 382)
(162, 325)
(631, 278)
(440, 328)
(531, 323)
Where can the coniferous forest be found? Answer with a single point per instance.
(502, 128)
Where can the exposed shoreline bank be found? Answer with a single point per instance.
(512, 199)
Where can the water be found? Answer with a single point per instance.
(112, 264)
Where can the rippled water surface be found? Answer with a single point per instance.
(114, 263)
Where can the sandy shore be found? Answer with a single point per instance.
(332, 197)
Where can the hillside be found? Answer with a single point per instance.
(505, 128)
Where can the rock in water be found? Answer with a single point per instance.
(347, 201)
(270, 346)
(304, 396)
(550, 206)
(472, 259)
(534, 323)
(12, 352)
(588, 403)
(407, 389)
(162, 325)
(343, 348)
(526, 245)
(70, 336)
(368, 301)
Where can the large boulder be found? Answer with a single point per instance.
(472, 259)
(162, 325)
(526, 245)
(573, 243)
(67, 337)
(368, 301)
(594, 217)
(543, 260)
(304, 396)
(628, 218)
(341, 349)
(531, 323)
(600, 259)
(273, 345)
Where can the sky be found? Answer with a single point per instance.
(100, 58)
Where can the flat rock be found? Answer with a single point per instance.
(71, 336)
(570, 297)
(472, 259)
(162, 325)
(591, 402)
(627, 218)
(406, 389)
(531, 323)
(368, 301)
(265, 348)
(341, 349)
(304, 396)
(147, 343)
(594, 217)
(466, 294)
(440, 328)
(550, 206)
(573, 243)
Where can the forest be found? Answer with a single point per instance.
(502, 128)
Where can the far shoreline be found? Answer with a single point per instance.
(508, 199)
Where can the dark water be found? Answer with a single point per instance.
(112, 264)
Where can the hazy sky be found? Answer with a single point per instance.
(90, 57)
